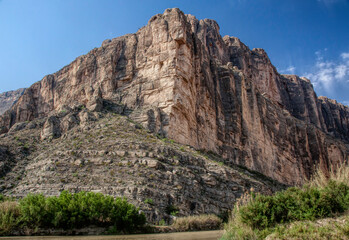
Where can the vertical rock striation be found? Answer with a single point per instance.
(178, 77)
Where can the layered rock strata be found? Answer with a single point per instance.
(108, 153)
(179, 78)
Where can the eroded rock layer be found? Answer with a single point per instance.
(179, 78)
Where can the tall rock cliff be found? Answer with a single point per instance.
(7, 99)
(179, 78)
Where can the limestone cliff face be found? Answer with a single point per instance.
(7, 99)
(335, 117)
(178, 77)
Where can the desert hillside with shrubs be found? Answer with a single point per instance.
(114, 155)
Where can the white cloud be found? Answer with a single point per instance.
(289, 70)
(345, 55)
(327, 73)
(341, 71)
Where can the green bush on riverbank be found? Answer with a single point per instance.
(256, 216)
(70, 211)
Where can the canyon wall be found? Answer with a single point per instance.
(179, 78)
(7, 99)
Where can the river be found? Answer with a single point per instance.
(202, 235)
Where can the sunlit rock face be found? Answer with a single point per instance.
(178, 77)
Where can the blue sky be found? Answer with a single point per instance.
(305, 37)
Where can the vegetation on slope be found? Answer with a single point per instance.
(294, 213)
(328, 228)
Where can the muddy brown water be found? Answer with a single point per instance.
(203, 235)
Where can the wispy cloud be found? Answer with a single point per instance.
(345, 55)
(234, 3)
(327, 73)
(327, 2)
(346, 103)
(290, 70)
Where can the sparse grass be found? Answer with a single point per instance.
(166, 140)
(149, 201)
(293, 212)
(338, 174)
(197, 223)
(322, 229)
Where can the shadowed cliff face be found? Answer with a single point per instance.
(7, 99)
(178, 77)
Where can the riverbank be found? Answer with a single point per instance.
(181, 224)
(88, 213)
(202, 235)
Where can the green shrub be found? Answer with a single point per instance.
(4, 198)
(172, 210)
(162, 222)
(33, 210)
(295, 204)
(79, 210)
(126, 216)
(149, 201)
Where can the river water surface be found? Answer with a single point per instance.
(203, 235)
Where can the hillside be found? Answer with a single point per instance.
(106, 152)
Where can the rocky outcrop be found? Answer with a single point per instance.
(179, 78)
(7, 99)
